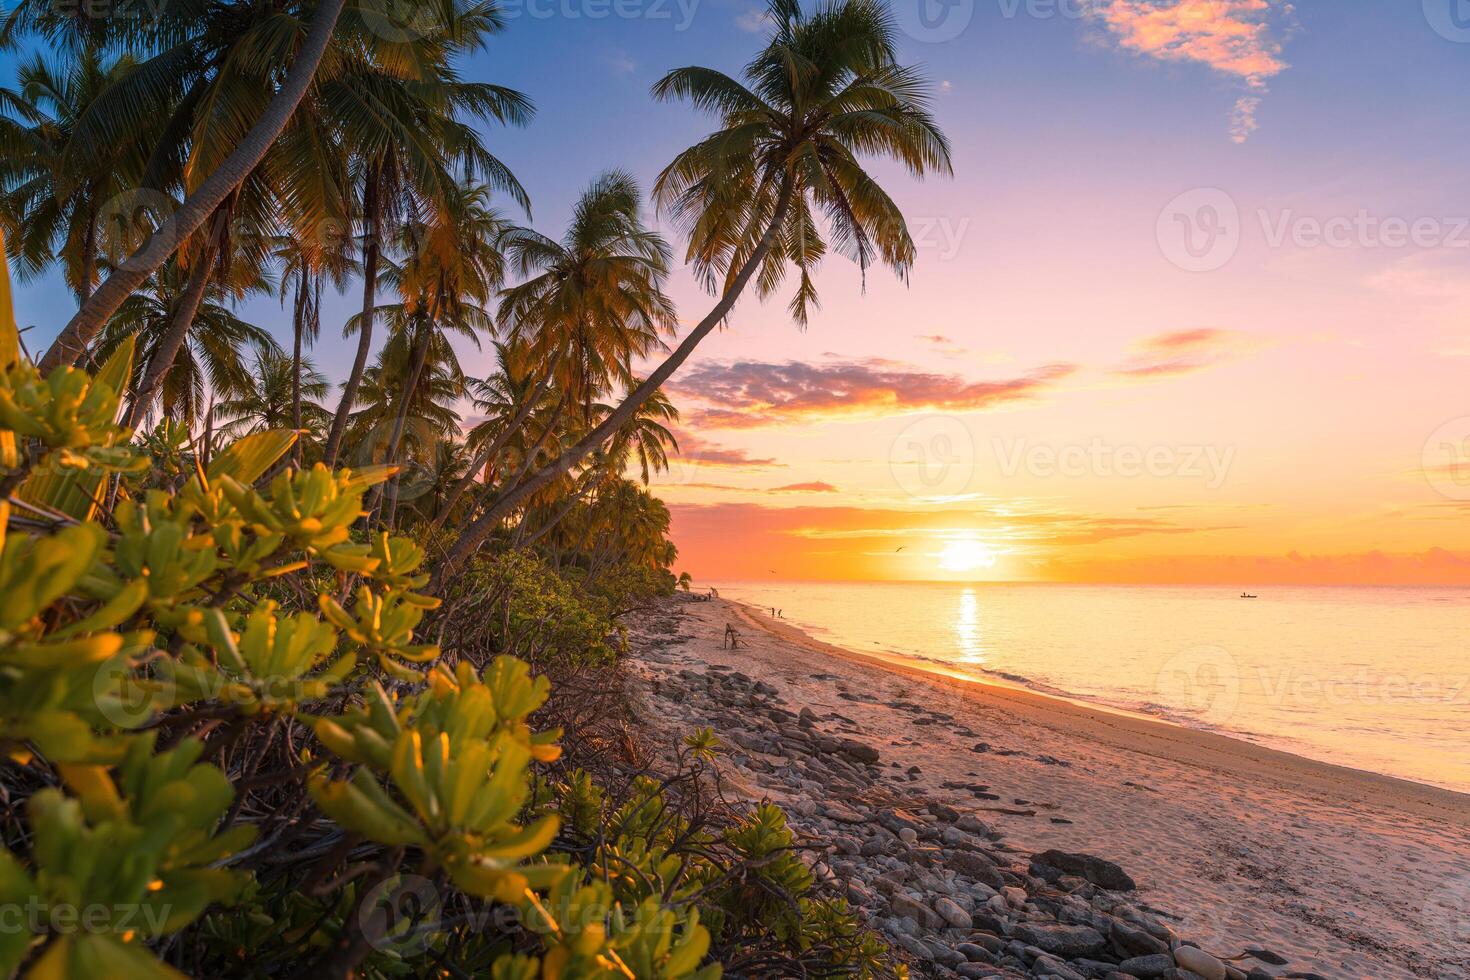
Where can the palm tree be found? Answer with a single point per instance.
(644, 437)
(825, 91)
(179, 41)
(452, 267)
(587, 305)
(277, 397)
(209, 361)
(307, 263)
(409, 145)
(55, 204)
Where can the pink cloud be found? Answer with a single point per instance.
(812, 486)
(1178, 352)
(749, 394)
(1238, 38)
(698, 451)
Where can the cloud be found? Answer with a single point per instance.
(1178, 352)
(695, 450)
(812, 486)
(750, 394)
(754, 21)
(1241, 39)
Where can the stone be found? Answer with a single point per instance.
(865, 754)
(908, 835)
(944, 812)
(1135, 942)
(1015, 897)
(1100, 872)
(1153, 965)
(973, 825)
(973, 952)
(916, 910)
(1067, 942)
(1197, 960)
(950, 911)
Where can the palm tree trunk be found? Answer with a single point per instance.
(199, 205)
(497, 444)
(482, 528)
(372, 218)
(296, 328)
(420, 356)
(89, 258)
(173, 341)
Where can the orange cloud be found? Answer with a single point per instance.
(750, 394)
(1239, 38)
(698, 451)
(812, 486)
(1180, 352)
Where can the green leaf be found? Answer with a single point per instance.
(118, 367)
(248, 458)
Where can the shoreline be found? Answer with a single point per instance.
(1140, 732)
(1234, 846)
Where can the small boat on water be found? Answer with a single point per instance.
(1247, 595)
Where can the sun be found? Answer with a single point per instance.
(966, 555)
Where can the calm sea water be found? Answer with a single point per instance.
(1369, 677)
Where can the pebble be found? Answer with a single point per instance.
(1193, 958)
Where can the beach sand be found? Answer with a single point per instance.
(1344, 873)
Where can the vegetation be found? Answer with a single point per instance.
(280, 680)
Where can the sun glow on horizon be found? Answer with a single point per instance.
(966, 555)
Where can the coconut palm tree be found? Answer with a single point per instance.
(211, 359)
(277, 397)
(826, 91)
(587, 305)
(410, 147)
(57, 206)
(644, 437)
(307, 264)
(188, 41)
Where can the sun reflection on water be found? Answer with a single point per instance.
(967, 628)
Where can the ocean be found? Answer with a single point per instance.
(1376, 678)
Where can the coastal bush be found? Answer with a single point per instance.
(229, 752)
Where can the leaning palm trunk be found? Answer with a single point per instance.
(198, 206)
(173, 341)
(484, 526)
(495, 445)
(372, 219)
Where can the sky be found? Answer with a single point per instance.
(1193, 307)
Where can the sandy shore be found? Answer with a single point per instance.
(1341, 872)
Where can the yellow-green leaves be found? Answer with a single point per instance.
(34, 572)
(135, 849)
(247, 459)
(267, 666)
(457, 759)
(384, 624)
